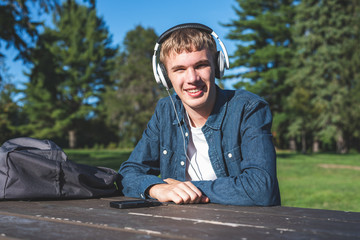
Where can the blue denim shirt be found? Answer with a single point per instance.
(240, 150)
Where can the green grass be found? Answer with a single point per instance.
(105, 158)
(303, 181)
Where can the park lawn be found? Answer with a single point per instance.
(104, 158)
(321, 181)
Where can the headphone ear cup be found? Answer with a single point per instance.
(165, 80)
(220, 65)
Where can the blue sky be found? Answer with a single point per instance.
(122, 16)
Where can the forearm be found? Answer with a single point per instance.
(255, 190)
(254, 182)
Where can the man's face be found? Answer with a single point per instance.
(192, 75)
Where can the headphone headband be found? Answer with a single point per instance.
(167, 33)
(159, 69)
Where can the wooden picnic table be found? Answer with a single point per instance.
(94, 219)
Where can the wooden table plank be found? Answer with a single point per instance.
(94, 219)
(23, 227)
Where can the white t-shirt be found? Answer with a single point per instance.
(199, 167)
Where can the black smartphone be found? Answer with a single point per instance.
(134, 204)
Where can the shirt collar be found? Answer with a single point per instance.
(179, 109)
(218, 113)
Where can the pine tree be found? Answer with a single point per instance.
(16, 24)
(132, 101)
(10, 113)
(263, 32)
(327, 38)
(264, 51)
(72, 65)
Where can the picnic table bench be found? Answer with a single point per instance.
(95, 219)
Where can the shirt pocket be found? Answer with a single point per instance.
(233, 160)
(167, 163)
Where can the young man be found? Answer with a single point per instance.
(207, 144)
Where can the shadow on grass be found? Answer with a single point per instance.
(287, 155)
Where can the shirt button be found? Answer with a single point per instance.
(164, 152)
(186, 134)
(229, 155)
(182, 163)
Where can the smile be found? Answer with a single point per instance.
(193, 90)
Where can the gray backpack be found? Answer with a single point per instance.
(39, 169)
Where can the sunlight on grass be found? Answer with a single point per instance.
(305, 182)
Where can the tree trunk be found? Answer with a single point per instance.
(315, 147)
(292, 144)
(303, 142)
(340, 143)
(72, 138)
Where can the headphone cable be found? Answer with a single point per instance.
(183, 136)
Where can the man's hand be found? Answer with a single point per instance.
(178, 192)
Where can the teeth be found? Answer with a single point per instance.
(193, 90)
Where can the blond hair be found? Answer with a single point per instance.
(189, 40)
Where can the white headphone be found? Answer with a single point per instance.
(159, 70)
